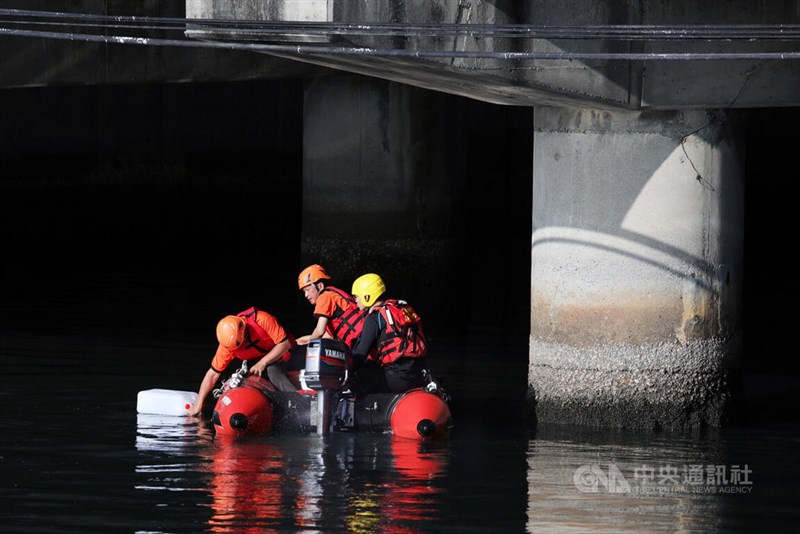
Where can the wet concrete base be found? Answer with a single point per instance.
(647, 387)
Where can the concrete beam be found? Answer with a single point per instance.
(598, 83)
(39, 62)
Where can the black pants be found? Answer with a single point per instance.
(397, 377)
(276, 372)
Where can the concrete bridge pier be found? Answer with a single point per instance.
(376, 193)
(636, 267)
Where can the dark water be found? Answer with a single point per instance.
(75, 457)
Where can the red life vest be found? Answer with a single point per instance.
(403, 336)
(256, 341)
(346, 323)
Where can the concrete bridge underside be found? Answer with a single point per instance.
(637, 227)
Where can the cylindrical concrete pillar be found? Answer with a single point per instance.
(376, 187)
(636, 267)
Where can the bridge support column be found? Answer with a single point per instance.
(376, 194)
(636, 267)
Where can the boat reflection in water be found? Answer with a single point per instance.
(247, 481)
(359, 482)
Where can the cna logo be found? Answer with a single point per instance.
(591, 478)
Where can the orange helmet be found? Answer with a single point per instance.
(311, 275)
(230, 331)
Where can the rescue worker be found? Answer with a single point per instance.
(253, 335)
(338, 316)
(389, 355)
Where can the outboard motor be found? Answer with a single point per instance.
(328, 364)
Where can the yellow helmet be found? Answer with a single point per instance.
(369, 288)
(230, 331)
(311, 275)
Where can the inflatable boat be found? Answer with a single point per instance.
(250, 405)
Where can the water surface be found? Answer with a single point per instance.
(76, 457)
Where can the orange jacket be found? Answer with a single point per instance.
(263, 332)
(345, 320)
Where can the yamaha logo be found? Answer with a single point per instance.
(336, 354)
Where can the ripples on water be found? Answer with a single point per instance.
(727, 481)
(75, 457)
(327, 483)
